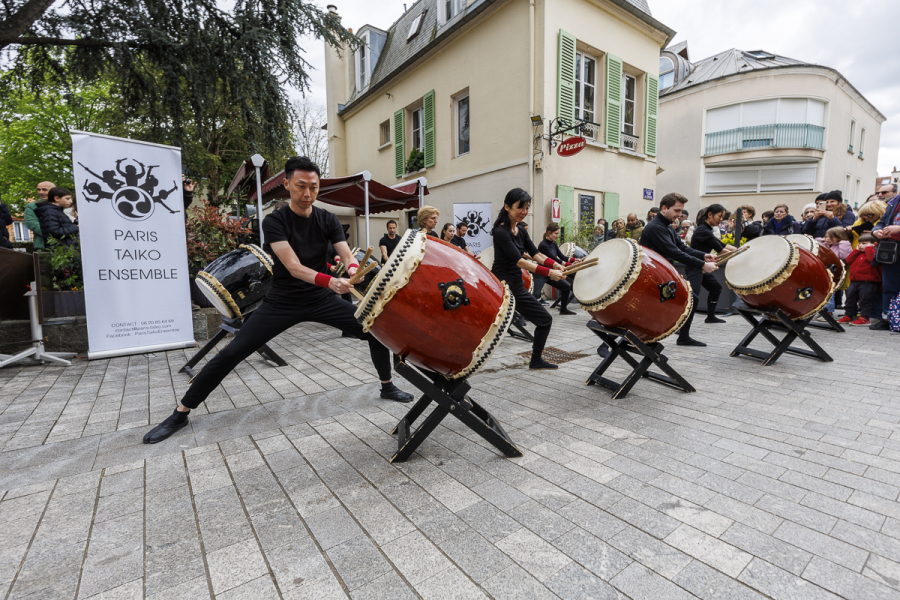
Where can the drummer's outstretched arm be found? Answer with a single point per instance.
(289, 259)
(347, 258)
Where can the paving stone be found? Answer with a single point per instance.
(515, 583)
(643, 517)
(478, 558)
(709, 584)
(575, 582)
(779, 553)
(659, 556)
(416, 557)
(534, 554)
(640, 583)
(844, 582)
(358, 562)
(449, 584)
(822, 545)
(776, 583)
(593, 553)
(235, 565)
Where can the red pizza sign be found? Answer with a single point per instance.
(571, 146)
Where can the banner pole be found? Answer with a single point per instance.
(259, 215)
(366, 188)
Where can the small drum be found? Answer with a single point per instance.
(834, 264)
(235, 283)
(572, 251)
(774, 273)
(359, 254)
(486, 257)
(437, 307)
(632, 287)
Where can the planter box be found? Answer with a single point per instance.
(55, 305)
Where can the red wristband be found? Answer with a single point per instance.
(352, 266)
(549, 263)
(570, 261)
(542, 271)
(322, 279)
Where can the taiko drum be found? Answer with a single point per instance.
(834, 264)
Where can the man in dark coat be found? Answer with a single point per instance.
(5, 221)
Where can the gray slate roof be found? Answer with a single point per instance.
(731, 62)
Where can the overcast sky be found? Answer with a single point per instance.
(857, 38)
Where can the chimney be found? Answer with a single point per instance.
(332, 9)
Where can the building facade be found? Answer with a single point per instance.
(761, 129)
(449, 91)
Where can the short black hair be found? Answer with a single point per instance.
(821, 197)
(458, 225)
(669, 200)
(300, 163)
(389, 223)
(57, 192)
(835, 195)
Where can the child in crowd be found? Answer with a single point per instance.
(838, 240)
(865, 281)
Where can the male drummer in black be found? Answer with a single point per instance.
(301, 291)
(658, 235)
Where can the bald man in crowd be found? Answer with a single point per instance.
(31, 219)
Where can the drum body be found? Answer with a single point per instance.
(572, 251)
(235, 283)
(634, 288)
(834, 264)
(486, 257)
(437, 307)
(775, 273)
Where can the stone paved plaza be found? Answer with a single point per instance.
(768, 482)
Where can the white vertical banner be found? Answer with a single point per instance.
(478, 219)
(133, 250)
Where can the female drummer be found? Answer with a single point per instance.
(427, 218)
(704, 241)
(511, 242)
(550, 249)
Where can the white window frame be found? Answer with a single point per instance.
(415, 26)
(384, 134)
(625, 78)
(448, 9)
(458, 150)
(862, 141)
(852, 134)
(420, 113)
(580, 85)
(856, 195)
(759, 170)
(663, 73)
(21, 232)
(847, 179)
(363, 57)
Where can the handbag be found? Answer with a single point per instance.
(886, 252)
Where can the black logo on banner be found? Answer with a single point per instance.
(475, 223)
(133, 191)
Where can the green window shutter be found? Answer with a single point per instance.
(652, 113)
(613, 101)
(566, 195)
(565, 94)
(610, 207)
(399, 158)
(428, 117)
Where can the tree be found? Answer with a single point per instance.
(310, 139)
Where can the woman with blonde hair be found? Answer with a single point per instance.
(427, 219)
(869, 213)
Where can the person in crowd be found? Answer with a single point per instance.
(388, 241)
(659, 236)
(868, 215)
(823, 219)
(685, 231)
(301, 291)
(632, 229)
(618, 228)
(599, 233)
(727, 224)
(834, 204)
(5, 221)
(448, 232)
(865, 282)
(704, 241)
(459, 240)
(602, 221)
(31, 219)
(427, 219)
(838, 240)
(781, 223)
(886, 192)
(870, 198)
(511, 242)
(187, 190)
(809, 210)
(888, 228)
(751, 229)
(765, 218)
(651, 214)
(549, 248)
(54, 222)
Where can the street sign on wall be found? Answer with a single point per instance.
(555, 210)
(648, 194)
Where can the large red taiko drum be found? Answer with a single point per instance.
(774, 273)
(437, 307)
(486, 257)
(633, 287)
(834, 264)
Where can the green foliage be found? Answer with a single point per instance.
(582, 236)
(65, 264)
(415, 162)
(210, 234)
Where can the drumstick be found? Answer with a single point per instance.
(367, 255)
(356, 293)
(583, 264)
(579, 267)
(360, 273)
(729, 256)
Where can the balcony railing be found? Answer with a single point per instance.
(630, 142)
(757, 137)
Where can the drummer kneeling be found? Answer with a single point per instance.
(298, 236)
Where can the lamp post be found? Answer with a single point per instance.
(258, 162)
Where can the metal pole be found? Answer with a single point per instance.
(366, 189)
(259, 215)
(421, 195)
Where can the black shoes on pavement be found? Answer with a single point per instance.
(173, 423)
(541, 364)
(689, 342)
(566, 311)
(389, 391)
(880, 325)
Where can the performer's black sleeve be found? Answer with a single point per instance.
(334, 231)
(546, 248)
(274, 228)
(671, 247)
(703, 236)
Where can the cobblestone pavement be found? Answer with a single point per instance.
(768, 482)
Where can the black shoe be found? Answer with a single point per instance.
(689, 342)
(566, 311)
(165, 429)
(603, 350)
(542, 302)
(541, 364)
(396, 394)
(880, 325)
(711, 318)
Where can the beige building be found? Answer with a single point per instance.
(449, 91)
(761, 129)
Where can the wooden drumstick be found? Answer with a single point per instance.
(362, 272)
(582, 265)
(366, 257)
(356, 293)
(721, 261)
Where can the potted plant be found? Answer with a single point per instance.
(210, 234)
(416, 161)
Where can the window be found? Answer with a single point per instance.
(760, 54)
(856, 195)
(846, 192)
(852, 134)
(629, 83)
(666, 72)
(418, 126)
(20, 232)
(451, 8)
(585, 87)
(862, 141)
(766, 112)
(362, 67)
(416, 26)
(462, 125)
(761, 179)
(384, 137)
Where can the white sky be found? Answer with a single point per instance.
(857, 38)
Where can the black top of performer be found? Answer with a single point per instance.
(658, 234)
(508, 251)
(551, 249)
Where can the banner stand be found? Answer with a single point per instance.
(140, 350)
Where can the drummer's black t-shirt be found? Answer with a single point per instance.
(310, 238)
(508, 250)
(459, 242)
(389, 243)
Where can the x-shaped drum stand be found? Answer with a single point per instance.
(228, 326)
(450, 397)
(518, 321)
(829, 324)
(780, 321)
(627, 344)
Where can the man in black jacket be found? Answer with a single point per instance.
(658, 235)
(5, 221)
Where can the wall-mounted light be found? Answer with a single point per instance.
(536, 120)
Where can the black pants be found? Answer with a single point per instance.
(272, 318)
(563, 285)
(697, 278)
(860, 297)
(532, 310)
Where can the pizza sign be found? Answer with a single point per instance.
(572, 146)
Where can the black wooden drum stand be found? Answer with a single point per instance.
(780, 321)
(228, 326)
(518, 321)
(627, 343)
(451, 399)
(830, 323)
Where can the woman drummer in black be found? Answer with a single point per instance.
(550, 249)
(510, 242)
(705, 241)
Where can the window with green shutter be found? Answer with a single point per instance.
(652, 114)
(613, 100)
(610, 207)
(565, 96)
(399, 158)
(428, 111)
(566, 195)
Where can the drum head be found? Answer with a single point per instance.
(607, 281)
(767, 262)
(404, 260)
(807, 242)
(217, 295)
(486, 257)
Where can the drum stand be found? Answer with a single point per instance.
(830, 323)
(228, 326)
(450, 397)
(518, 321)
(778, 320)
(629, 343)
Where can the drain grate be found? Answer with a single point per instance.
(557, 356)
